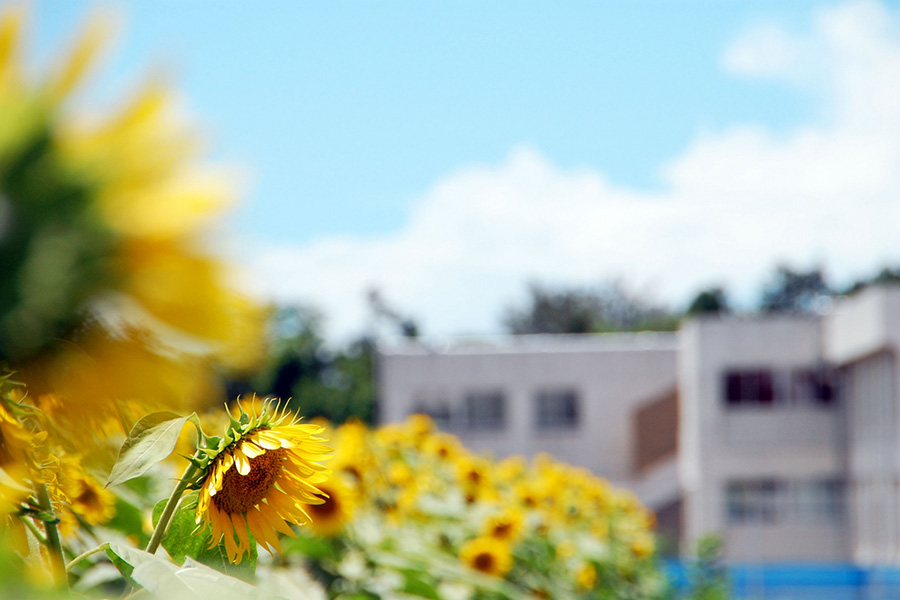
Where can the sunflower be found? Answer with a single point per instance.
(259, 476)
(488, 555)
(87, 497)
(643, 545)
(585, 576)
(506, 525)
(353, 456)
(107, 216)
(329, 516)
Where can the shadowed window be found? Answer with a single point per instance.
(485, 410)
(557, 409)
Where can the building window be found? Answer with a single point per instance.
(779, 387)
(813, 386)
(557, 409)
(758, 501)
(771, 500)
(485, 410)
(819, 500)
(749, 388)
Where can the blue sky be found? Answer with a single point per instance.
(352, 117)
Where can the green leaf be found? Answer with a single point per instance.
(182, 540)
(129, 520)
(217, 558)
(166, 580)
(151, 440)
(125, 559)
(419, 584)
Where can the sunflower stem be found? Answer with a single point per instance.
(84, 555)
(53, 544)
(29, 523)
(169, 509)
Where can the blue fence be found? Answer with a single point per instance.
(805, 581)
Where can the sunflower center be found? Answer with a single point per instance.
(240, 493)
(88, 497)
(484, 561)
(502, 529)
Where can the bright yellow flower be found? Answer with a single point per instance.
(643, 545)
(259, 478)
(488, 555)
(399, 473)
(353, 453)
(585, 576)
(506, 525)
(15, 462)
(443, 446)
(511, 468)
(329, 517)
(87, 497)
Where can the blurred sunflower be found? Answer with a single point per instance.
(328, 517)
(643, 545)
(506, 525)
(585, 576)
(103, 224)
(87, 497)
(488, 555)
(258, 477)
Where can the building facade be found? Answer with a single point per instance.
(779, 433)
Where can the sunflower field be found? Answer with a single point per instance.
(117, 323)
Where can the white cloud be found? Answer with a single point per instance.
(736, 202)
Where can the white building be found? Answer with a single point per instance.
(778, 432)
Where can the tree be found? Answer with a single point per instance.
(335, 384)
(381, 311)
(606, 308)
(709, 301)
(794, 291)
(886, 275)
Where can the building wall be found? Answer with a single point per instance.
(788, 479)
(747, 469)
(869, 391)
(863, 334)
(611, 375)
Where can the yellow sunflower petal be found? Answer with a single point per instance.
(79, 60)
(10, 32)
(240, 527)
(251, 450)
(241, 463)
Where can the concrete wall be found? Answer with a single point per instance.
(612, 374)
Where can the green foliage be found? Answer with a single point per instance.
(185, 538)
(707, 576)
(54, 252)
(794, 291)
(886, 275)
(607, 308)
(710, 301)
(151, 440)
(335, 384)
